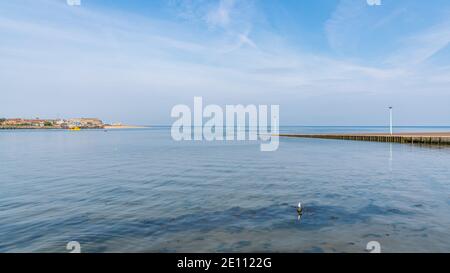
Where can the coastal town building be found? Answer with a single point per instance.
(12, 122)
(27, 122)
(87, 123)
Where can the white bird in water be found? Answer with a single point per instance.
(299, 210)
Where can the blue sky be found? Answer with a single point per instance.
(325, 62)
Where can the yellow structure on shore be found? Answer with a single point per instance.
(75, 129)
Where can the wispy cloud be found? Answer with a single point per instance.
(419, 47)
(231, 18)
(221, 15)
(345, 21)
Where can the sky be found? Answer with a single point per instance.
(325, 62)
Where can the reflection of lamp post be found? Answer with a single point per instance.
(390, 116)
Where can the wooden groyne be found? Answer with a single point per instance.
(412, 138)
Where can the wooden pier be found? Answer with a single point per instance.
(412, 138)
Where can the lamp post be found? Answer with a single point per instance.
(390, 118)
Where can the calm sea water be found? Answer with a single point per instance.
(137, 190)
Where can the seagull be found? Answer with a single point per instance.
(299, 211)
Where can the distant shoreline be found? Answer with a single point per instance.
(105, 127)
(124, 127)
(29, 128)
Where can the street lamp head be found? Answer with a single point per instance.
(390, 114)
